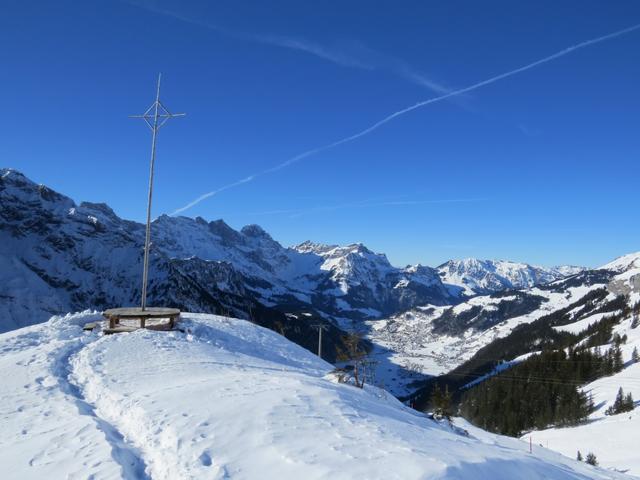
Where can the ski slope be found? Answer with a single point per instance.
(222, 398)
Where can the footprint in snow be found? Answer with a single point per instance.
(205, 459)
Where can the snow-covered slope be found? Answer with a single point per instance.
(577, 311)
(222, 399)
(488, 276)
(624, 263)
(429, 340)
(613, 439)
(437, 339)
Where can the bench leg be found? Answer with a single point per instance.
(143, 322)
(112, 322)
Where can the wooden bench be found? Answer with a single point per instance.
(114, 315)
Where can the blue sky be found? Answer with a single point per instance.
(542, 166)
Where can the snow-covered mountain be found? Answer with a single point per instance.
(224, 398)
(625, 263)
(489, 276)
(485, 336)
(433, 340)
(367, 282)
(57, 256)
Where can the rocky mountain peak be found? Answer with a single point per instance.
(309, 246)
(225, 232)
(255, 231)
(102, 208)
(10, 175)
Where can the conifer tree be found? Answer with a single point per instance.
(591, 459)
(616, 358)
(579, 456)
(436, 398)
(623, 403)
(441, 401)
(617, 404)
(628, 402)
(634, 355)
(445, 405)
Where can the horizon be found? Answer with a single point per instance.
(537, 169)
(363, 243)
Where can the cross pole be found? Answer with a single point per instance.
(320, 328)
(155, 117)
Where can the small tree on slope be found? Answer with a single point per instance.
(353, 351)
(441, 401)
(591, 459)
(623, 403)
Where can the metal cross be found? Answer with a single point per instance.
(155, 117)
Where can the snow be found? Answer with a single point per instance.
(583, 324)
(222, 398)
(623, 263)
(496, 370)
(408, 349)
(57, 256)
(48, 431)
(483, 276)
(613, 439)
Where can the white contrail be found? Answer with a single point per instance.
(212, 193)
(347, 55)
(424, 103)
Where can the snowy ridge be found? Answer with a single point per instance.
(487, 276)
(192, 404)
(624, 263)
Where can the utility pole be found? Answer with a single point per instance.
(320, 328)
(155, 117)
